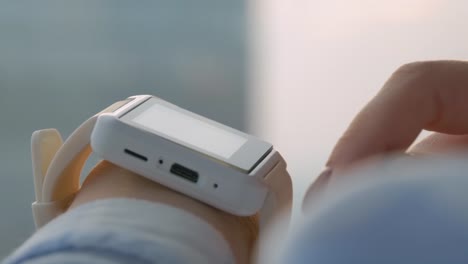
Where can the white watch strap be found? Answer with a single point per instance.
(57, 167)
(279, 199)
(44, 145)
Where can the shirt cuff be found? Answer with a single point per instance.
(130, 228)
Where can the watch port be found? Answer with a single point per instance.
(135, 155)
(184, 172)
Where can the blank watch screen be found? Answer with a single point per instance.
(190, 130)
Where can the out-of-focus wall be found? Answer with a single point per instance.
(316, 63)
(62, 61)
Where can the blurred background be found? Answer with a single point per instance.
(291, 72)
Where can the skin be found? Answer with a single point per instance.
(430, 95)
(422, 95)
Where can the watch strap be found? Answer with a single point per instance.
(57, 167)
(279, 198)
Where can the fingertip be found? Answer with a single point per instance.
(316, 188)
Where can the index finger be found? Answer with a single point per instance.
(429, 95)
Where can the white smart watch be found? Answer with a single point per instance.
(213, 163)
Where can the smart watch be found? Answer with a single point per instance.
(208, 161)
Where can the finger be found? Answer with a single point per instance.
(316, 187)
(440, 143)
(424, 95)
(436, 143)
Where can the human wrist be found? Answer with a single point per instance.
(108, 181)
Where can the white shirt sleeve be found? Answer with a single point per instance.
(125, 231)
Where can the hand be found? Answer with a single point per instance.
(429, 95)
(109, 181)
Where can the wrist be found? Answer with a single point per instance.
(110, 181)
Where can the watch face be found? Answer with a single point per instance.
(190, 131)
(198, 133)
